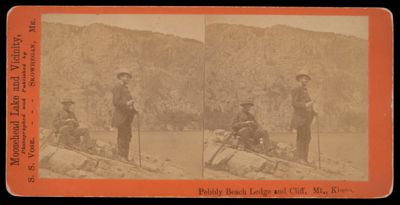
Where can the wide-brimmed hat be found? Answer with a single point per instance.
(67, 101)
(302, 73)
(123, 71)
(246, 102)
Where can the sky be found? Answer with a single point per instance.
(192, 26)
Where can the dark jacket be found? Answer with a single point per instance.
(122, 112)
(64, 118)
(241, 118)
(302, 115)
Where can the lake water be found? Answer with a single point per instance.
(185, 148)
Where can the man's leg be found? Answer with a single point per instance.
(307, 139)
(300, 142)
(127, 141)
(245, 135)
(65, 135)
(120, 141)
(123, 140)
(85, 142)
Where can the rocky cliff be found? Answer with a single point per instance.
(81, 63)
(261, 63)
(240, 62)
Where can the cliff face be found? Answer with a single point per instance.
(261, 63)
(240, 62)
(81, 62)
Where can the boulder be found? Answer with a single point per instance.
(235, 161)
(45, 153)
(76, 173)
(220, 160)
(44, 133)
(282, 150)
(89, 165)
(244, 162)
(103, 164)
(62, 160)
(281, 170)
(172, 170)
(47, 173)
(100, 143)
(219, 132)
(209, 151)
(217, 174)
(282, 146)
(110, 172)
(260, 176)
(152, 167)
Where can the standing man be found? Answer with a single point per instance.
(67, 128)
(303, 116)
(124, 113)
(247, 128)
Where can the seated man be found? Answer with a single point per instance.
(246, 127)
(67, 128)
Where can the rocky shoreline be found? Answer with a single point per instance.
(56, 161)
(232, 163)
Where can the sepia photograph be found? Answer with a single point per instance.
(121, 96)
(202, 102)
(286, 97)
(263, 97)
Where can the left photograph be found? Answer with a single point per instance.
(121, 96)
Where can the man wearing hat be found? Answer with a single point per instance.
(67, 128)
(246, 127)
(124, 113)
(302, 116)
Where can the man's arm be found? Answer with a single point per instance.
(63, 119)
(75, 120)
(132, 108)
(237, 124)
(254, 123)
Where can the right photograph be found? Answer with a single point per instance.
(286, 97)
